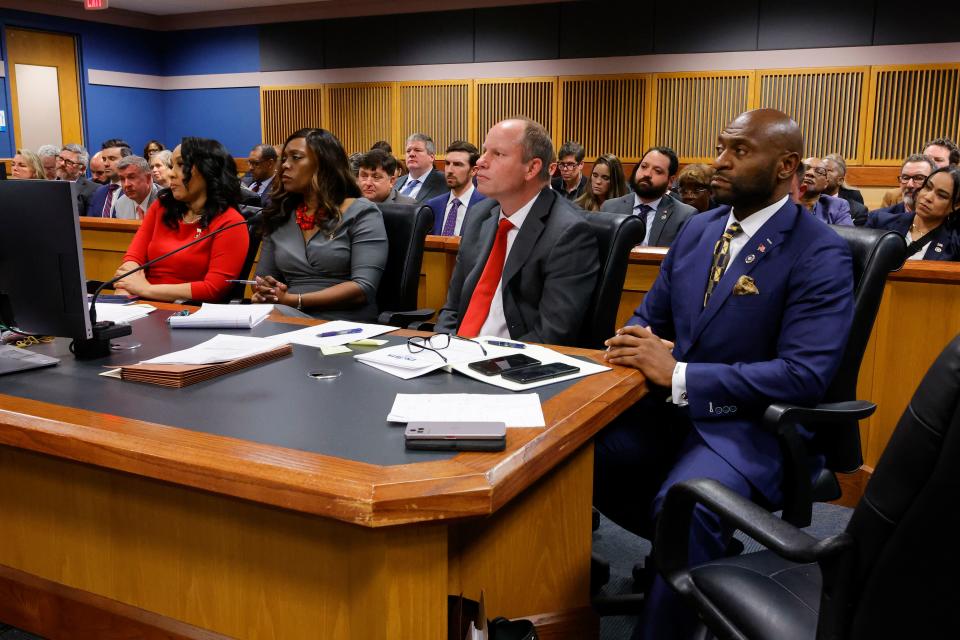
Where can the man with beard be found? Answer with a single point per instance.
(449, 209)
(662, 214)
(827, 208)
(913, 173)
(752, 305)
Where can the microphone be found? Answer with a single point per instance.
(103, 332)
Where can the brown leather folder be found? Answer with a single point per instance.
(183, 375)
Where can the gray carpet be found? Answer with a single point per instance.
(623, 550)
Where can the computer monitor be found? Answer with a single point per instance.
(42, 283)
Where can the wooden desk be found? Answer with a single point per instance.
(156, 531)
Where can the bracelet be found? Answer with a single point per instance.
(299, 302)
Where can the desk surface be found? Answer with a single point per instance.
(281, 438)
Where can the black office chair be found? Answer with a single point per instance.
(407, 228)
(616, 235)
(236, 293)
(891, 574)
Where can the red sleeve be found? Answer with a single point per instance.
(137, 251)
(227, 254)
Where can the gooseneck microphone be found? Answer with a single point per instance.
(103, 332)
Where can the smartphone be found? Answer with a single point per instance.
(541, 372)
(456, 436)
(495, 366)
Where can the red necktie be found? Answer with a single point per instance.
(479, 307)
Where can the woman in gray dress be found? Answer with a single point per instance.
(324, 247)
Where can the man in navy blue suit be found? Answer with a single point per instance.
(752, 305)
(450, 208)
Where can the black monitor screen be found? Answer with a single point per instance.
(42, 284)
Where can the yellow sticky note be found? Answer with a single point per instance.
(334, 350)
(368, 342)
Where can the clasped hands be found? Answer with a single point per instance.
(135, 284)
(638, 347)
(269, 290)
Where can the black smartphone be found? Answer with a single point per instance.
(495, 366)
(541, 372)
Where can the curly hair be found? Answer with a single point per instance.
(332, 183)
(218, 169)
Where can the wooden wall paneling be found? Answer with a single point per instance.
(604, 113)
(441, 109)
(284, 110)
(362, 113)
(501, 98)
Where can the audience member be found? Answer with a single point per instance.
(27, 166)
(324, 247)
(943, 151)
(827, 208)
(72, 165)
(528, 260)
(836, 168)
(151, 148)
(663, 216)
(571, 182)
(48, 158)
(606, 181)
(353, 161)
(97, 172)
(139, 191)
(104, 198)
(376, 176)
(913, 173)
(693, 187)
(383, 145)
(752, 305)
(422, 181)
(161, 167)
(931, 231)
(116, 142)
(202, 198)
(450, 208)
(263, 169)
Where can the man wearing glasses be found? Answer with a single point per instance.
(263, 166)
(571, 182)
(827, 208)
(913, 173)
(72, 165)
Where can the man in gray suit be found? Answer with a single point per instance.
(376, 171)
(139, 191)
(528, 260)
(662, 215)
(423, 182)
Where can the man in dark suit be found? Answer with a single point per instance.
(662, 215)
(104, 198)
(756, 301)
(263, 169)
(528, 261)
(913, 173)
(571, 182)
(376, 175)
(450, 208)
(72, 165)
(423, 182)
(836, 168)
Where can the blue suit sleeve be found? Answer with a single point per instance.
(842, 214)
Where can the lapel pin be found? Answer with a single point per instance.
(762, 248)
(938, 248)
(663, 217)
(751, 258)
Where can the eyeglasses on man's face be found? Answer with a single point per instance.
(68, 161)
(568, 165)
(916, 179)
(436, 343)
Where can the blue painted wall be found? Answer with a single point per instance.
(231, 116)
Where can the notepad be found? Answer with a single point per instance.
(519, 410)
(223, 316)
(123, 314)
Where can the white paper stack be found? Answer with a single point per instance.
(399, 361)
(220, 348)
(316, 336)
(123, 314)
(223, 316)
(514, 410)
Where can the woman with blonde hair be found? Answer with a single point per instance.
(27, 166)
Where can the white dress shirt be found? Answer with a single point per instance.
(264, 186)
(496, 322)
(461, 210)
(651, 215)
(416, 189)
(749, 226)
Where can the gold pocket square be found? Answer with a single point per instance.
(745, 287)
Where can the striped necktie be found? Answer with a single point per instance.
(721, 258)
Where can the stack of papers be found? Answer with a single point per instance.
(220, 348)
(513, 410)
(123, 314)
(319, 336)
(223, 316)
(402, 363)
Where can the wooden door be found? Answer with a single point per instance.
(49, 58)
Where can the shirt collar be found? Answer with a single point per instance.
(653, 205)
(517, 218)
(465, 198)
(752, 223)
(420, 177)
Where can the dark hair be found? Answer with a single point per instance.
(218, 169)
(536, 143)
(667, 151)
(383, 145)
(949, 145)
(466, 147)
(146, 148)
(333, 181)
(267, 152)
(618, 184)
(378, 159)
(953, 218)
(571, 148)
(115, 142)
(919, 157)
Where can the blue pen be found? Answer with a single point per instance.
(511, 345)
(185, 312)
(342, 332)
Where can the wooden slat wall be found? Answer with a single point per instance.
(497, 99)
(604, 114)
(439, 109)
(828, 104)
(284, 110)
(690, 109)
(910, 105)
(361, 114)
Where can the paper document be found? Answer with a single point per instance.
(220, 348)
(123, 314)
(346, 332)
(223, 316)
(399, 361)
(514, 410)
(545, 356)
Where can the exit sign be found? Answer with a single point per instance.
(95, 5)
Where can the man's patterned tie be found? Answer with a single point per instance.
(721, 258)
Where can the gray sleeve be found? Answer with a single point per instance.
(368, 250)
(267, 266)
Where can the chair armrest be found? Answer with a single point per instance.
(403, 319)
(786, 540)
(777, 414)
(422, 326)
